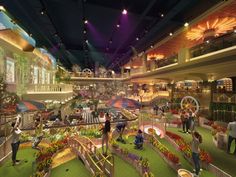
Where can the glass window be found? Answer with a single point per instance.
(43, 75)
(36, 75)
(10, 71)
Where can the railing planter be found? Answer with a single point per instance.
(170, 163)
(153, 142)
(132, 159)
(206, 164)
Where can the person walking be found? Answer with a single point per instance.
(105, 133)
(15, 139)
(196, 141)
(232, 135)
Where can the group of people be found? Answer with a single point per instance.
(120, 128)
(188, 120)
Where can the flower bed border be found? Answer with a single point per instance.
(176, 167)
(134, 163)
(212, 168)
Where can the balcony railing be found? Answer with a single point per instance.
(224, 98)
(222, 42)
(49, 88)
(167, 61)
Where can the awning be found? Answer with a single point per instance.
(25, 106)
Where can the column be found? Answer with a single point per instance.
(183, 55)
(122, 72)
(144, 61)
(233, 84)
(152, 65)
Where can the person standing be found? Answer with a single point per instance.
(15, 139)
(196, 141)
(191, 121)
(183, 120)
(186, 115)
(232, 135)
(105, 133)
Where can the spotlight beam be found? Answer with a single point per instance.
(145, 12)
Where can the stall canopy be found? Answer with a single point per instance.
(124, 103)
(25, 106)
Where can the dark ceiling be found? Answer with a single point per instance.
(59, 26)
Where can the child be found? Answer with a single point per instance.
(197, 140)
(139, 140)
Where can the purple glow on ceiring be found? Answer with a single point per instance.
(124, 12)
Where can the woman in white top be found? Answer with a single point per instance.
(15, 139)
(197, 140)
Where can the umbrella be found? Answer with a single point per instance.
(124, 103)
(25, 106)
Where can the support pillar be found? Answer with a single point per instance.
(233, 84)
(144, 62)
(183, 55)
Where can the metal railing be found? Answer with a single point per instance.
(222, 42)
(50, 88)
(224, 98)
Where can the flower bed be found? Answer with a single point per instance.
(165, 153)
(185, 148)
(140, 164)
(44, 158)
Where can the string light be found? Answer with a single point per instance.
(171, 34)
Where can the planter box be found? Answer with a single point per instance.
(176, 167)
(183, 173)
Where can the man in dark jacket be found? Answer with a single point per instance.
(105, 133)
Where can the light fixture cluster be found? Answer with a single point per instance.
(212, 28)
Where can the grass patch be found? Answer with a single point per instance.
(157, 165)
(73, 168)
(24, 169)
(220, 158)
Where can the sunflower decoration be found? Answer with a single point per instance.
(212, 28)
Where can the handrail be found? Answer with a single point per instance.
(88, 156)
(95, 167)
(103, 157)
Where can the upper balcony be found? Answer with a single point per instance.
(204, 44)
(42, 92)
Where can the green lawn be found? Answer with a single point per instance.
(120, 165)
(221, 159)
(157, 164)
(185, 164)
(73, 168)
(24, 169)
(123, 169)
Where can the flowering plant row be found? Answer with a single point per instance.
(44, 157)
(218, 128)
(135, 159)
(164, 150)
(186, 148)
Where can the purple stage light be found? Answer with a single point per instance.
(124, 12)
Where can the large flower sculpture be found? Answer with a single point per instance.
(212, 28)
